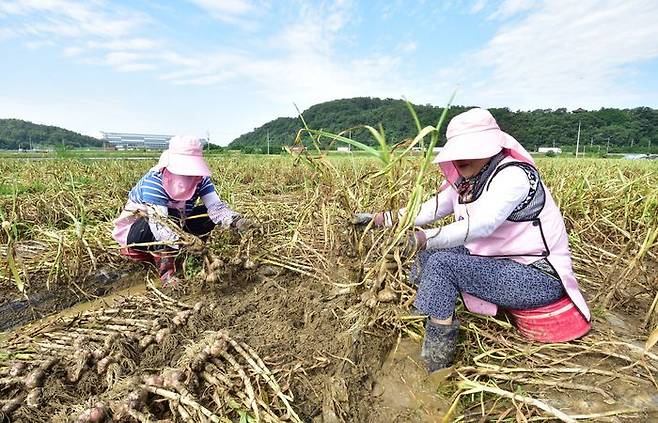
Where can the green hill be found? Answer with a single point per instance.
(16, 133)
(543, 127)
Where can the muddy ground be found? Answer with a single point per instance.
(296, 325)
(16, 310)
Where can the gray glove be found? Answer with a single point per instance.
(242, 224)
(362, 219)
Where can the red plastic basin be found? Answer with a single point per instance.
(557, 322)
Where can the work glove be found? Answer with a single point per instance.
(408, 246)
(242, 224)
(363, 219)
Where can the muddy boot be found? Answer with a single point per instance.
(136, 255)
(166, 265)
(439, 345)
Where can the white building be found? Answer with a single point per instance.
(342, 149)
(556, 150)
(131, 141)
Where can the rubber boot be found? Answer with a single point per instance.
(166, 265)
(136, 255)
(439, 345)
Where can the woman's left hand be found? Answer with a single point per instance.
(408, 245)
(242, 224)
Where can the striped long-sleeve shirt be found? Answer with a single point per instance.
(150, 192)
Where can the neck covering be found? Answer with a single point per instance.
(179, 187)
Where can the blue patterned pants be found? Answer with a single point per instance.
(442, 275)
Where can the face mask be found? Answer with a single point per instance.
(179, 187)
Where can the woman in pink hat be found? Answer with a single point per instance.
(169, 192)
(508, 246)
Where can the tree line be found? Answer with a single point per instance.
(606, 129)
(16, 134)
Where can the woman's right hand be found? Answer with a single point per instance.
(362, 219)
(408, 245)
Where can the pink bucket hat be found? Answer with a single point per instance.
(475, 134)
(184, 157)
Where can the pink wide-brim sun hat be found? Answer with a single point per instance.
(184, 157)
(475, 134)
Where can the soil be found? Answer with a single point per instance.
(293, 322)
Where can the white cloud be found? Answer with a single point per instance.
(122, 58)
(136, 43)
(236, 12)
(73, 51)
(510, 8)
(69, 18)
(562, 53)
(6, 33)
(135, 67)
(225, 7)
(80, 28)
(34, 45)
(478, 6)
(407, 47)
(304, 65)
(302, 60)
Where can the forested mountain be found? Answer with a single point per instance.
(537, 128)
(15, 133)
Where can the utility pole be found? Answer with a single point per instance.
(607, 147)
(268, 143)
(578, 139)
(632, 139)
(579, 110)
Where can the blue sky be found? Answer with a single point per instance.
(227, 66)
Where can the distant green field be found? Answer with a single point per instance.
(91, 154)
